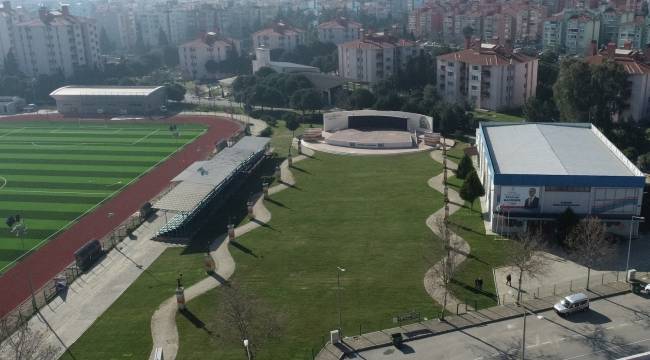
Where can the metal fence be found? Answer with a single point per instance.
(563, 288)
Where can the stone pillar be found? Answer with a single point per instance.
(180, 295)
(231, 232)
(208, 262)
(265, 190)
(278, 173)
(249, 209)
(290, 160)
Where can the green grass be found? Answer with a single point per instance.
(282, 137)
(366, 214)
(53, 172)
(123, 331)
(496, 116)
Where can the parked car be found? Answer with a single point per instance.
(30, 108)
(572, 304)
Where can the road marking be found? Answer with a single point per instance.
(608, 348)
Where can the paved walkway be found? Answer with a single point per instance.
(428, 328)
(163, 322)
(431, 284)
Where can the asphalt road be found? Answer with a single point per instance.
(611, 329)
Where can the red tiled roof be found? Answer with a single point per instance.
(496, 56)
(340, 23)
(377, 42)
(631, 65)
(279, 29)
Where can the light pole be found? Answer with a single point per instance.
(339, 270)
(629, 243)
(248, 352)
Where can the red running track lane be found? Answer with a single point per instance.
(53, 257)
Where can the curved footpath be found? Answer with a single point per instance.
(163, 322)
(431, 284)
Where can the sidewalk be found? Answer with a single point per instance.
(64, 320)
(435, 327)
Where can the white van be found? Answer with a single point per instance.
(571, 304)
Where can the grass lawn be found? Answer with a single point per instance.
(282, 137)
(52, 172)
(366, 214)
(495, 116)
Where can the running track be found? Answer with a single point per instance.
(53, 257)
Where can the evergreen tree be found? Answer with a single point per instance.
(105, 44)
(162, 38)
(472, 189)
(465, 167)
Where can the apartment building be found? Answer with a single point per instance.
(56, 41)
(339, 30)
(374, 57)
(631, 29)
(488, 76)
(9, 17)
(279, 36)
(117, 21)
(528, 21)
(571, 31)
(195, 54)
(426, 22)
(635, 64)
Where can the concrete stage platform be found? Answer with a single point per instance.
(371, 139)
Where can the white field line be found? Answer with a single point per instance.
(53, 192)
(608, 348)
(4, 182)
(91, 209)
(145, 137)
(12, 132)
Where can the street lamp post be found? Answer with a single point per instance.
(338, 292)
(629, 243)
(248, 352)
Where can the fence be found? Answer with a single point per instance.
(563, 288)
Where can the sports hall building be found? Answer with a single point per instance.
(532, 172)
(110, 100)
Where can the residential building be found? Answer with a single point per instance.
(374, 57)
(609, 20)
(9, 17)
(488, 76)
(339, 31)
(571, 31)
(56, 42)
(631, 30)
(528, 21)
(426, 22)
(634, 63)
(279, 36)
(194, 55)
(10, 105)
(118, 22)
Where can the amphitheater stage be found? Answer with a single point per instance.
(371, 139)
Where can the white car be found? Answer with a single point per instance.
(571, 304)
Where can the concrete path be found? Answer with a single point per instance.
(431, 284)
(163, 322)
(65, 319)
(256, 125)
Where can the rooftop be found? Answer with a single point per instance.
(377, 41)
(631, 60)
(486, 54)
(554, 149)
(74, 90)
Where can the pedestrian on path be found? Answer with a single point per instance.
(509, 280)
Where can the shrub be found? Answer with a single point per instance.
(267, 132)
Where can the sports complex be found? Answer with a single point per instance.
(75, 180)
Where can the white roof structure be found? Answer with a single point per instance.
(200, 179)
(74, 90)
(554, 149)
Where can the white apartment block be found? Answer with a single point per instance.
(487, 76)
(374, 57)
(634, 63)
(571, 31)
(339, 31)
(179, 22)
(195, 54)
(56, 42)
(9, 17)
(279, 36)
(118, 22)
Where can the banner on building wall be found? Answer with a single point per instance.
(519, 198)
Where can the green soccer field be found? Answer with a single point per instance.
(53, 173)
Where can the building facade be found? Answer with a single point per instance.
(194, 55)
(532, 173)
(56, 42)
(374, 57)
(109, 100)
(279, 36)
(339, 31)
(487, 76)
(9, 17)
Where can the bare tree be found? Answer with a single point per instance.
(20, 342)
(443, 269)
(588, 243)
(242, 316)
(527, 257)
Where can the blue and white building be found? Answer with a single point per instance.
(532, 172)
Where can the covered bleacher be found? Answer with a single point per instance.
(208, 184)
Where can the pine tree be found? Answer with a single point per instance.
(465, 167)
(471, 189)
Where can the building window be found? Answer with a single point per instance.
(567, 188)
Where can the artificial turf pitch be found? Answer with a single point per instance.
(52, 173)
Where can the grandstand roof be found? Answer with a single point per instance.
(74, 90)
(201, 178)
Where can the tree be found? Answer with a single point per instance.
(170, 56)
(472, 189)
(566, 223)
(162, 38)
(465, 166)
(242, 316)
(105, 44)
(572, 91)
(468, 32)
(538, 110)
(292, 124)
(526, 257)
(643, 162)
(211, 66)
(306, 100)
(589, 243)
(21, 342)
(175, 92)
(264, 72)
(362, 99)
(443, 269)
(11, 65)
